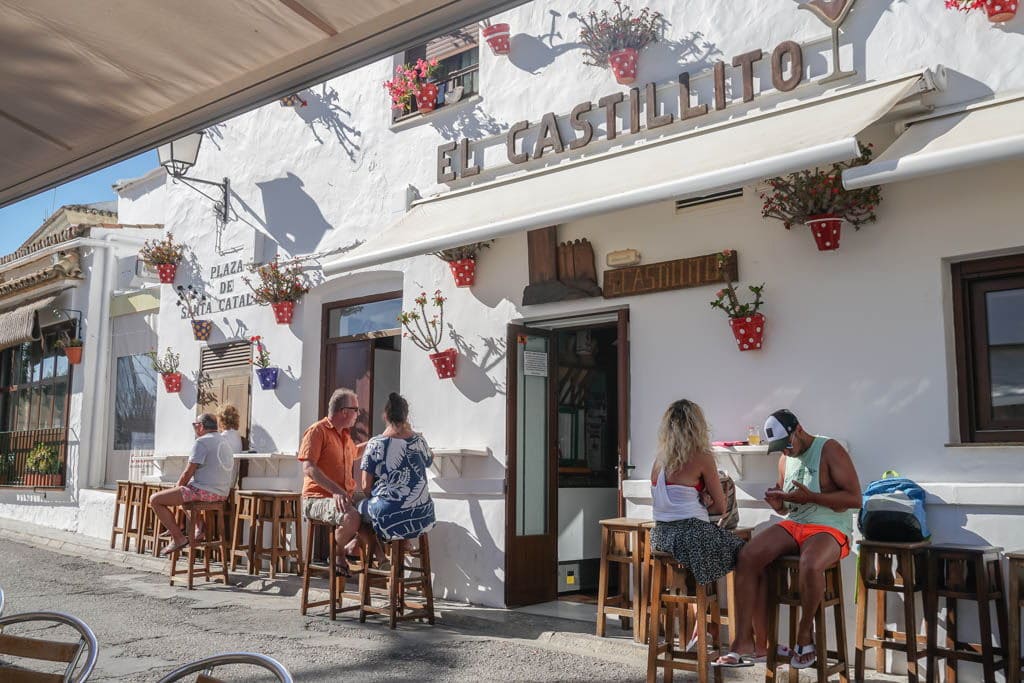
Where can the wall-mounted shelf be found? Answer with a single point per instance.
(448, 461)
(732, 457)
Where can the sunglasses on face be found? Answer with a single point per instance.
(355, 408)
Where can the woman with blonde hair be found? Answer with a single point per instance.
(228, 421)
(685, 474)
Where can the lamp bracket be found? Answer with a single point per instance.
(222, 205)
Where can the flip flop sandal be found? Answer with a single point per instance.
(173, 548)
(783, 651)
(800, 657)
(737, 662)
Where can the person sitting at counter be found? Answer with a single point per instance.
(817, 487)
(207, 479)
(327, 453)
(684, 472)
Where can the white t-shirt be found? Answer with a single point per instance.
(234, 439)
(213, 454)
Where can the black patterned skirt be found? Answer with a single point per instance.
(707, 551)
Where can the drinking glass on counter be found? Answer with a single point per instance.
(753, 436)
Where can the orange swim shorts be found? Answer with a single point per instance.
(802, 532)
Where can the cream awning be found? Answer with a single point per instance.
(734, 152)
(22, 324)
(85, 84)
(982, 133)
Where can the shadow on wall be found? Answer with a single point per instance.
(462, 555)
(292, 218)
(466, 123)
(948, 522)
(473, 378)
(692, 53)
(323, 113)
(534, 53)
(260, 439)
(289, 387)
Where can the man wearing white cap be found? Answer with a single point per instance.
(817, 486)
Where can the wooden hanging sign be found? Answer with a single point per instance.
(668, 275)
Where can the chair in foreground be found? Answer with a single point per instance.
(205, 667)
(1, 602)
(69, 653)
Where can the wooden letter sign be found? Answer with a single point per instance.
(668, 275)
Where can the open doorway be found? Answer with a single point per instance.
(568, 453)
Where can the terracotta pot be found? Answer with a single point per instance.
(464, 272)
(1000, 10)
(201, 329)
(444, 363)
(74, 354)
(283, 312)
(497, 36)
(166, 272)
(825, 229)
(623, 64)
(172, 382)
(267, 377)
(749, 331)
(426, 98)
(44, 480)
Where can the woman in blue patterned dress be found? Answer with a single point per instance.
(394, 470)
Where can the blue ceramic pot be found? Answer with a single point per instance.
(268, 377)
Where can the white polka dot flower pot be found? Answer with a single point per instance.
(1000, 11)
(497, 37)
(283, 312)
(826, 231)
(172, 382)
(749, 331)
(623, 64)
(444, 363)
(464, 272)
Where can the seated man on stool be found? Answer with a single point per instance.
(207, 479)
(817, 487)
(327, 454)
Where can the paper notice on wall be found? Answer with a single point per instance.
(535, 363)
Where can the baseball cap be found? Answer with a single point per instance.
(778, 428)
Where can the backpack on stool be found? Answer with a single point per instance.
(892, 510)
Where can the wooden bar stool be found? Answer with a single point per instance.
(133, 514)
(620, 545)
(277, 511)
(966, 573)
(1016, 601)
(644, 539)
(335, 581)
(410, 594)
(120, 505)
(784, 589)
(149, 533)
(890, 568)
(744, 532)
(673, 588)
(212, 549)
(245, 514)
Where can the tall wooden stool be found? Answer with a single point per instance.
(133, 514)
(966, 573)
(212, 549)
(745, 533)
(1016, 601)
(410, 594)
(120, 505)
(243, 538)
(646, 568)
(335, 582)
(277, 510)
(784, 589)
(673, 588)
(620, 545)
(890, 568)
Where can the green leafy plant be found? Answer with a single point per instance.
(819, 192)
(276, 282)
(165, 364)
(424, 333)
(42, 459)
(66, 341)
(727, 299)
(165, 251)
(408, 80)
(607, 32)
(464, 252)
(262, 356)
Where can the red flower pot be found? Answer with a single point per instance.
(426, 98)
(1000, 10)
(497, 36)
(444, 363)
(623, 64)
(166, 272)
(283, 312)
(172, 382)
(74, 354)
(749, 331)
(826, 231)
(464, 272)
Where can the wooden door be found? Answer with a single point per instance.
(350, 366)
(531, 536)
(234, 389)
(622, 349)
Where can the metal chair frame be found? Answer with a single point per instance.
(87, 641)
(206, 666)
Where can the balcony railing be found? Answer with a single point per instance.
(14, 450)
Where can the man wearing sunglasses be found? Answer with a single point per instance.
(327, 453)
(817, 487)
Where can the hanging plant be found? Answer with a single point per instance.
(192, 303)
(746, 322)
(998, 11)
(615, 39)
(427, 334)
(72, 346)
(817, 197)
(413, 83)
(278, 285)
(164, 255)
(167, 365)
(266, 373)
(294, 100)
(497, 37)
(462, 261)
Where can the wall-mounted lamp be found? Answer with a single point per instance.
(180, 155)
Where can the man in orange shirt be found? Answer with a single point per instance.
(327, 453)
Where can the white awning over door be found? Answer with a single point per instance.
(727, 154)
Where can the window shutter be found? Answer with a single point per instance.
(226, 359)
(453, 43)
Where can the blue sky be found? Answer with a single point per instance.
(19, 220)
